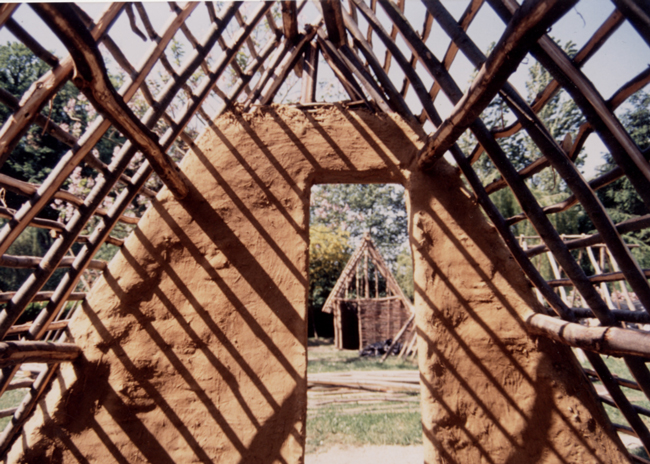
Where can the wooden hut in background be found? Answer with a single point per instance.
(367, 303)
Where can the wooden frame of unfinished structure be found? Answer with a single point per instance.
(377, 318)
(344, 36)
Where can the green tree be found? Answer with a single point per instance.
(620, 198)
(562, 118)
(329, 251)
(358, 208)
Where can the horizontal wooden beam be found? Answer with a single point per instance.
(27, 189)
(528, 24)
(12, 353)
(612, 341)
(32, 262)
(596, 279)
(5, 297)
(22, 328)
(622, 315)
(621, 381)
(630, 225)
(91, 77)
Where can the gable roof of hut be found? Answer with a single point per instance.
(366, 248)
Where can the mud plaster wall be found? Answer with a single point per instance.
(195, 339)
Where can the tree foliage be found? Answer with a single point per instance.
(329, 251)
(620, 198)
(357, 208)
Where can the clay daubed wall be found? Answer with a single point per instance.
(195, 339)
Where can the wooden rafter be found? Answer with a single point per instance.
(289, 20)
(528, 24)
(333, 16)
(16, 352)
(92, 79)
(309, 74)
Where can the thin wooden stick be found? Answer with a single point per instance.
(397, 337)
(31, 43)
(6, 297)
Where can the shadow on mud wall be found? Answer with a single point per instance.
(490, 394)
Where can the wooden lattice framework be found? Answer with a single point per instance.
(377, 317)
(292, 46)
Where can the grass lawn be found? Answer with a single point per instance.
(323, 357)
(375, 422)
(10, 399)
(617, 366)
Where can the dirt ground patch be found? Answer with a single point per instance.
(369, 454)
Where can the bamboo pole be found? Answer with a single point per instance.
(604, 340)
